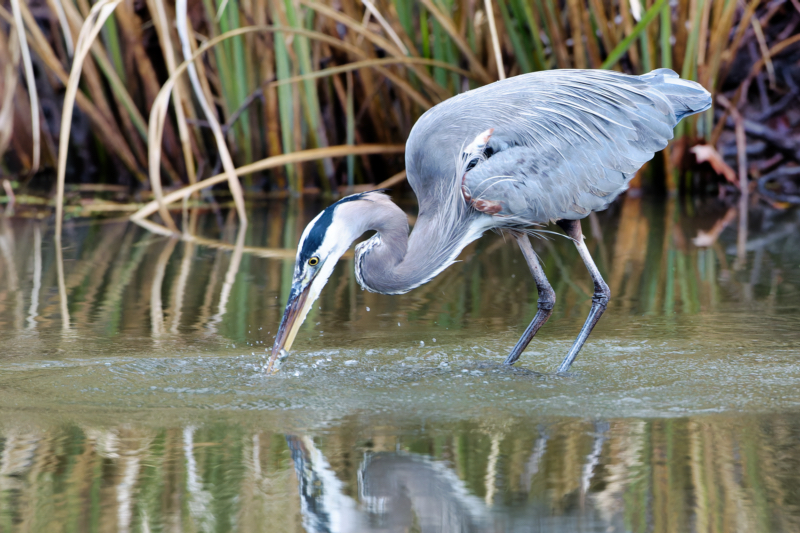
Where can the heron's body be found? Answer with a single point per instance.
(527, 151)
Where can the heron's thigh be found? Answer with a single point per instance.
(572, 228)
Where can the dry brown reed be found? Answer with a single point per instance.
(276, 78)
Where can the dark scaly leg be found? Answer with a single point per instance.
(547, 298)
(601, 293)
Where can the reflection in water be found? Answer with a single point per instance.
(324, 505)
(37, 275)
(396, 491)
(200, 500)
(151, 414)
(697, 474)
(400, 489)
(116, 277)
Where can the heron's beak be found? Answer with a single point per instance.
(293, 317)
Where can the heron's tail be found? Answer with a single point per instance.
(686, 97)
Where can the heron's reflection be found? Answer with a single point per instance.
(398, 491)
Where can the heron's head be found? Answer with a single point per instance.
(324, 241)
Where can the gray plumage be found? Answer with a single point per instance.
(523, 152)
(564, 143)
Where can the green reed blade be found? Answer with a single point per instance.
(312, 108)
(534, 26)
(620, 50)
(644, 40)
(689, 70)
(439, 52)
(424, 31)
(405, 13)
(665, 34)
(120, 91)
(517, 40)
(351, 129)
(111, 39)
(240, 85)
(285, 104)
(222, 56)
(451, 51)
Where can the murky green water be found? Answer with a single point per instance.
(137, 404)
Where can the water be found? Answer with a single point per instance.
(140, 405)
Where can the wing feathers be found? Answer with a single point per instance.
(564, 142)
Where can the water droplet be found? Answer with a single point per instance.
(421, 344)
(434, 340)
(367, 309)
(398, 323)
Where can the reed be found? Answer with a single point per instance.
(286, 77)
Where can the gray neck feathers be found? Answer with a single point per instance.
(391, 262)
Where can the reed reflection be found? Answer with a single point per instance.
(114, 276)
(695, 474)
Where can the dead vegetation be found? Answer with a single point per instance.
(324, 94)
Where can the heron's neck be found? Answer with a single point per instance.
(392, 262)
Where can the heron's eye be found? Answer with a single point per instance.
(314, 261)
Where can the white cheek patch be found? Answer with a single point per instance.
(314, 291)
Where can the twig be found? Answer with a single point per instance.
(762, 43)
(742, 90)
(385, 25)
(741, 141)
(272, 162)
(258, 93)
(762, 132)
(391, 182)
(775, 196)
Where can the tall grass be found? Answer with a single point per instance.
(278, 80)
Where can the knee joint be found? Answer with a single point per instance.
(601, 295)
(547, 299)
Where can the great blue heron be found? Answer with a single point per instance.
(524, 152)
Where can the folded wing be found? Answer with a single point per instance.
(563, 143)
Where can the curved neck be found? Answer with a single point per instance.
(392, 262)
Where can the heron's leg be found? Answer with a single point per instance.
(601, 293)
(547, 298)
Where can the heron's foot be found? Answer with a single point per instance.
(599, 305)
(544, 312)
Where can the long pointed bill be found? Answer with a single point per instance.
(294, 316)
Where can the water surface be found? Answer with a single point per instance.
(133, 399)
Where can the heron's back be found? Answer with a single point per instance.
(564, 142)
